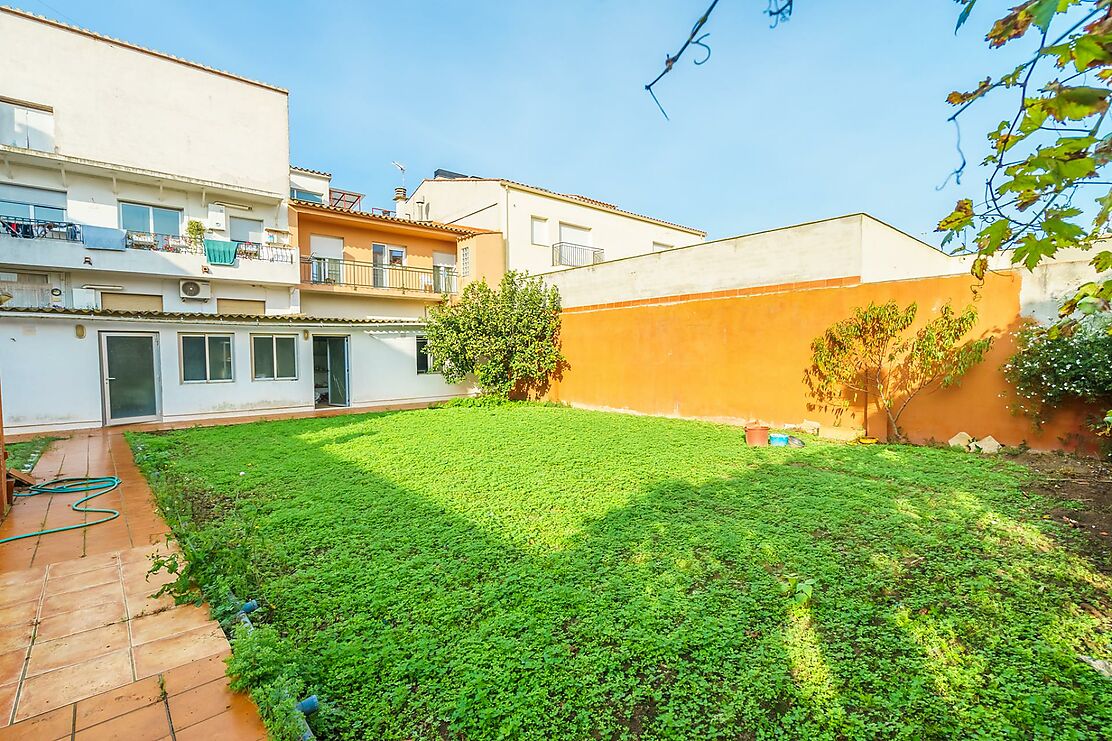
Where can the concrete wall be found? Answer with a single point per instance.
(52, 380)
(824, 250)
(114, 103)
(363, 305)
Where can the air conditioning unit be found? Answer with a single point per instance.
(195, 290)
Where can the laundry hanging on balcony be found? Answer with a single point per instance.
(219, 252)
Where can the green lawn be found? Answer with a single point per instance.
(538, 572)
(25, 454)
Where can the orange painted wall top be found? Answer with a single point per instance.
(743, 357)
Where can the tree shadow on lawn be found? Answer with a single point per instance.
(936, 612)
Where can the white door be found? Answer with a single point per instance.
(129, 371)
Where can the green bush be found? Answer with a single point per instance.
(1053, 366)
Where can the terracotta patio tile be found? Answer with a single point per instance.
(48, 726)
(7, 704)
(203, 702)
(21, 614)
(148, 584)
(17, 593)
(140, 604)
(74, 649)
(117, 702)
(195, 673)
(145, 724)
(69, 601)
(11, 665)
(17, 555)
(169, 622)
(167, 653)
(13, 577)
(72, 683)
(82, 565)
(13, 637)
(85, 618)
(53, 551)
(84, 580)
(144, 553)
(229, 726)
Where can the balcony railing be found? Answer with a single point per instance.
(333, 271)
(575, 255)
(21, 228)
(218, 251)
(163, 243)
(265, 251)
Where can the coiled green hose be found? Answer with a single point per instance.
(73, 485)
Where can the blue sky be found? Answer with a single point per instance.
(840, 110)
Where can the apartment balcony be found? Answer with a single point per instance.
(66, 246)
(328, 274)
(575, 255)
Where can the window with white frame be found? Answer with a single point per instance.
(137, 217)
(206, 358)
(26, 125)
(274, 357)
(425, 362)
(245, 230)
(22, 202)
(538, 227)
(465, 261)
(306, 195)
(27, 290)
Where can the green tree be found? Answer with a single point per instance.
(507, 338)
(874, 353)
(1047, 189)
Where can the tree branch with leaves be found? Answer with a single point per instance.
(873, 353)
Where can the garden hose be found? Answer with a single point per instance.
(73, 485)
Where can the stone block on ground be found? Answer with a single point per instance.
(961, 440)
(988, 445)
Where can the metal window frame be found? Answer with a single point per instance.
(274, 350)
(206, 335)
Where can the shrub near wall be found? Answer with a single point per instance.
(1054, 367)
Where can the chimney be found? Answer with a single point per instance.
(399, 201)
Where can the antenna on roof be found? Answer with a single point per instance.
(401, 169)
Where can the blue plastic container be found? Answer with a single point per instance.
(777, 440)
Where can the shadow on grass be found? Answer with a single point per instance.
(442, 587)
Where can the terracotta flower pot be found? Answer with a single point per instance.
(756, 436)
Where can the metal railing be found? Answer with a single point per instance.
(21, 228)
(265, 251)
(333, 271)
(575, 255)
(162, 243)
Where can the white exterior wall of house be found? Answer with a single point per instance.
(510, 209)
(116, 124)
(114, 103)
(52, 377)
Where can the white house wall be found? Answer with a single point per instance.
(347, 306)
(617, 235)
(819, 251)
(113, 103)
(477, 203)
(51, 379)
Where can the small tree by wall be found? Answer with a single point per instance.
(874, 353)
(507, 338)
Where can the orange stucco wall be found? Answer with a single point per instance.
(744, 357)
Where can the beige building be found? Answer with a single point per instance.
(543, 231)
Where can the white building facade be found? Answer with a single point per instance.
(544, 231)
(145, 251)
